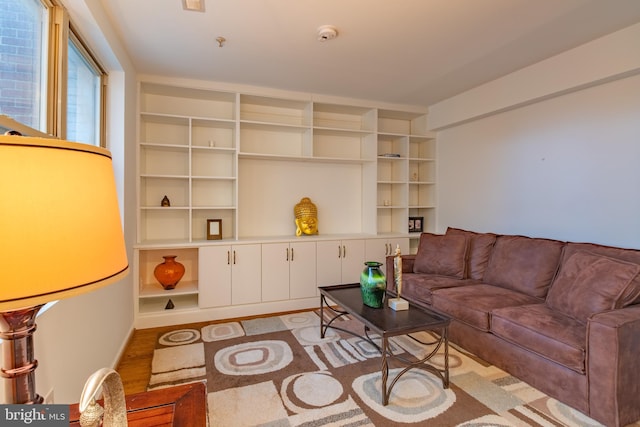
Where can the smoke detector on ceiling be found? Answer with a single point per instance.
(327, 32)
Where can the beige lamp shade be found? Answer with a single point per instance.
(60, 228)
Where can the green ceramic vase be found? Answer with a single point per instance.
(373, 285)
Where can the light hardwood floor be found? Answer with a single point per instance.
(134, 366)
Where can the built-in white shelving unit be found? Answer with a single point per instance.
(187, 152)
(406, 173)
(247, 158)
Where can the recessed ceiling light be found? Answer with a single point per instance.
(196, 5)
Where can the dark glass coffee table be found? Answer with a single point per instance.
(388, 323)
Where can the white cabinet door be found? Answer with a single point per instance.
(329, 264)
(288, 270)
(302, 270)
(229, 275)
(246, 274)
(340, 261)
(353, 259)
(275, 271)
(214, 276)
(377, 249)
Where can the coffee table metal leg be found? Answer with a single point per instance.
(445, 336)
(423, 364)
(322, 328)
(385, 373)
(326, 325)
(420, 364)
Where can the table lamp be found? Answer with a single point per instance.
(60, 236)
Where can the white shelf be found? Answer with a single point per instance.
(344, 118)
(274, 139)
(213, 135)
(341, 144)
(264, 125)
(274, 111)
(185, 101)
(406, 123)
(155, 290)
(164, 130)
(157, 305)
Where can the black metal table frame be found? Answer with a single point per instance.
(385, 353)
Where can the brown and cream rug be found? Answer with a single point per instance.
(277, 371)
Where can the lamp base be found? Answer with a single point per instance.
(398, 304)
(18, 367)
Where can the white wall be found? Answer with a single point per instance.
(566, 168)
(267, 210)
(550, 150)
(78, 336)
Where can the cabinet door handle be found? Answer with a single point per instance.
(344, 251)
(291, 254)
(228, 257)
(234, 257)
(287, 258)
(339, 253)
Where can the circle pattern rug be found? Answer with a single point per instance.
(180, 337)
(280, 372)
(253, 358)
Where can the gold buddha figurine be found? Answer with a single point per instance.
(306, 217)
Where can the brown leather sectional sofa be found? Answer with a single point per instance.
(563, 317)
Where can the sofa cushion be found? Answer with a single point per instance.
(480, 246)
(588, 283)
(473, 304)
(442, 254)
(524, 264)
(632, 295)
(418, 287)
(544, 331)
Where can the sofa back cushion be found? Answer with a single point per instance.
(442, 254)
(632, 295)
(480, 246)
(524, 264)
(589, 283)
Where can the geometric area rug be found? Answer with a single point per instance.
(276, 371)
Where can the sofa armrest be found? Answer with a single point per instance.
(613, 346)
(407, 267)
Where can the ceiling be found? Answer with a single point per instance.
(398, 51)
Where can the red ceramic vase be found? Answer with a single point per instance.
(169, 272)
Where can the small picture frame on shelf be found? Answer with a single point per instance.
(214, 229)
(416, 224)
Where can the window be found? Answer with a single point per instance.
(49, 79)
(24, 36)
(84, 85)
